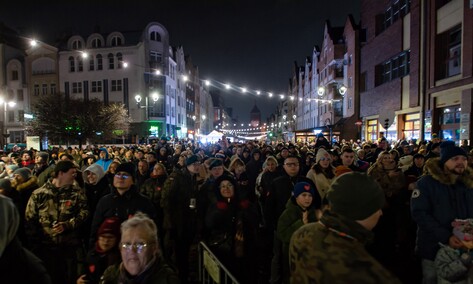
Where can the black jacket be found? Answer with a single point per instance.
(121, 206)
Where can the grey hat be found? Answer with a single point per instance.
(23, 172)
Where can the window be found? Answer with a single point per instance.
(96, 43)
(155, 36)
(111, 61)
(77, 88)
(99, 62)
(372, 130)
(19, 95)
(80, 64)
(396, 11)
(91, 64)
(53, 88)
(11, 115)
(116, 41)
(448, 53)
(412, 126)
(76, 44)
(44, 89)
(116, 85)
(395, 67)
(21, 115)
(14, 75)
(120, 60)
(72, 67)
(155, 59)
(450, 115)
(96, 86)
(36, 89)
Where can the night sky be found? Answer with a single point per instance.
(249, 43)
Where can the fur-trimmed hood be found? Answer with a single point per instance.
(432, 167)
(32, 182)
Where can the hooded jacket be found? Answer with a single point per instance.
(438, 199)
(104, 163)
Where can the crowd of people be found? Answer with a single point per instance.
(270, 212)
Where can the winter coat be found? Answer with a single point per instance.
(158, 273)
(97, 263)
(121, 206)
(321, 181)
(280, 192)
(333, 251)
(95, 191)
(288, 223)
(453, 266)
(104, 163)
(49, 204)
(224, 221)
(437, 200)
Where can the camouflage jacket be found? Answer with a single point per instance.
(152, 188)
(334, 253)
(49, 204)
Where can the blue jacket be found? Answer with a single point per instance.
(438, 199)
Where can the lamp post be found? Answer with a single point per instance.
(5, 133)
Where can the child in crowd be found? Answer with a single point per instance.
(454, 265)
(299, 211)
(105, 252)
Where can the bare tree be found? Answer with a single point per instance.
(70, 121)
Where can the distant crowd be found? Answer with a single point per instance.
(137, 213)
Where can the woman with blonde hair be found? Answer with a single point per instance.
(322, 172)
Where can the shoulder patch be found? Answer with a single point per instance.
(415, 193)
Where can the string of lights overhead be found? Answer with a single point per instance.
(228, 87)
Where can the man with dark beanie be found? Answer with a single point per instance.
(442, 195)
(123, 201)
(333, 249)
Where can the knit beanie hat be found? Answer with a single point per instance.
(192, 159)
(110, 225)
(127, 168)
(355, 196)
(322, 153)
(25, 173)
(12, 167)
(448, 150)
(301, 187)
(215, 163)
(463, 229)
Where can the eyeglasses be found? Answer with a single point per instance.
(325, 159)
(123, 176)
(139, 247)
(292, 164)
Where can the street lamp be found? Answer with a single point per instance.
(5, 133)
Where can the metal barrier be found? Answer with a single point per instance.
(211, 270)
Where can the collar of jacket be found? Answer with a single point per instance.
(132, 191)
(346, 226)
(437, 172)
